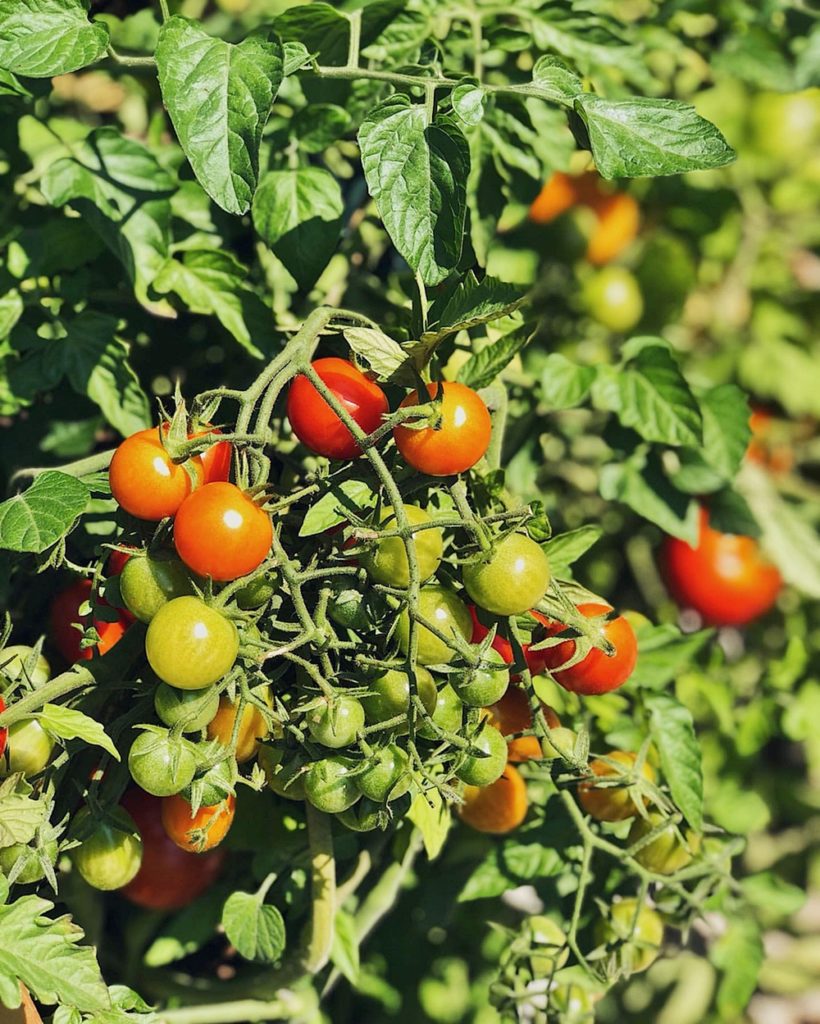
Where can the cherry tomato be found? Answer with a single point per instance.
(314, 422)
(611, 803)
(365, 816)
(444, 610)
(390, 695)
(216, 460)
(388, 775)
(618, 220)
(457, 442)
(497, 808)
(725, 577)
(636, 931)
(549, 942)
(336, 724)
(4, 733)
(31, 869)
(257, 593)
(771, 445)
(252, 728)
(484, 768)
(214, 785)
(285, 778)
(16, 663)
(387, 562)
(447, 714)
(514, 577)
(29, 748)
(597, 672)
(219, 532)
(484, 685)
(190, 645)
(160, 763)
(148, 582)
(169, 878)
(111, 856)
(144, 480)
(193, 708)
(667, 853)
(556, 197)
(500, 643)
(614, 299)
(117, 561)
(65, 612)
(198, 832)
(512, 714)
(330, 785)
(573, 1004)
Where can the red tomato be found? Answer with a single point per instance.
(4, 733)
(216, 460)
(725, 578)
(317, 426)
(770, 445)
(117, 561)
(201, 831)
(65, 610)
(500, 643)
(220, 532)
(460, 439)
(168, 878)
(597, 672)
(144, 480)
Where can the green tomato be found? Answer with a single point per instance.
(513, 580)
(330, 785)
(613, 298)
(573, 1003)
(190, 645)
(31, 870)
(13, 660)
(635, 930)
(161, 764)
(390, 695)
(336, 724)
(549, 946)
(194, 708)
(387, 562)
(786, 125)
(482, 686)
(560, 743)
(388, 776)
(367, 815)
(285, 778)
(257, 593)
(214, 785)
(148, 582)
(666, 854)
(29, 748)
(352, 609)
(111, 856)
(483, 769)
(447, 714)
(448, 613)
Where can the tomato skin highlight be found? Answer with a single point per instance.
(213, 821)
(461, 439)
(220, 532)
(65, 611)
(497, 808)
(144, 480)
(597, 673)
(314, 422)
(169, 878)
(725, 577)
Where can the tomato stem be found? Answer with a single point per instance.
(323, 889)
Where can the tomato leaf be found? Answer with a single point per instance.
(41, 38)
(256, 929)
(475, 302)
(482, 368)
(508, 866)
(468, 102)
(345, 950)
(565, 384)
(39, 517)
(385, 357)
(738, 953)
(565, 549)
(673, 734)
(640, 483)
(20, 815)
(555, 82)
(335, 506)
(663, 652)
(219, 98)
(70, 724)
(431, 816)
(187, 931)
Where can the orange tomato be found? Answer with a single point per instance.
(252, 728)
(611, 803)
(144, 480)
(198, 832)
(498, 808)
(512, 714)
(556, 197)
(618, 222)
(459, 440)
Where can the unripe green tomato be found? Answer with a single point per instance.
(330, 786)
(353, 609)
(196, 708)
(32, 869)
(482, 686)
(28, 749)
(574, 1003)
(160, 764)
(448, 613)
(666, 854)
(636, 931)
(336, 723)
(388, 776)
(147, 582)
(549, 946)
(479, 770)
(111, 856)
(12, 660)
(613, 298)
(257, 593)
(447, 714)
(390, 695)
(214, 785)
(367, 815)
(190, 645)
(285, 778)
(387, 561)
(512, 580)
(560, 743)
(786, 125)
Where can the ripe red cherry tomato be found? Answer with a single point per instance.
(597, 672)
(725, 578)
(461, 439)
(65, 610)
(144, 480)
(4, 733)
(317, 426)
(168, 878)
(220, 532)
(216, 460)
(198, 832)
(500, 643)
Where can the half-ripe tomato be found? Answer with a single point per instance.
(512, 714)
(635, 931)
(198, 832)
(611, 803)
(498, 808)
(457, 442)
(65, 610)
(725, 577)
(168, 878)
(597, 672)
(144, 480)
(220, 532)
(618, 222)
(253, 727)
(110, 856)
(216, 460)
(314, 422)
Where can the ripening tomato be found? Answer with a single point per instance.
(216, 460)
(618, 220)
(668, 852)
(636, 932)
(198, 832)
(169, 878)
(556, 197)
(29, 748)
(725, 577)
(512, 579)
(317, 426)
(500, 643)
(16, 662)
(144, 480)
(771, 444)
(513, 714)
(220, 532)
(597, 672)
(161, 763)
(110, 856)
(611, 803)
(497, 808)
(613, 298)
(189, 644)
(65, 611)
(150, 581)
(117, 561)
(253, 727)
(457, 442)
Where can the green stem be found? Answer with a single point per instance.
(289, 1006)
(355, 19)
(82, 467)
(323, 884)
(163, 7)
(66, 682)
(131, 62)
